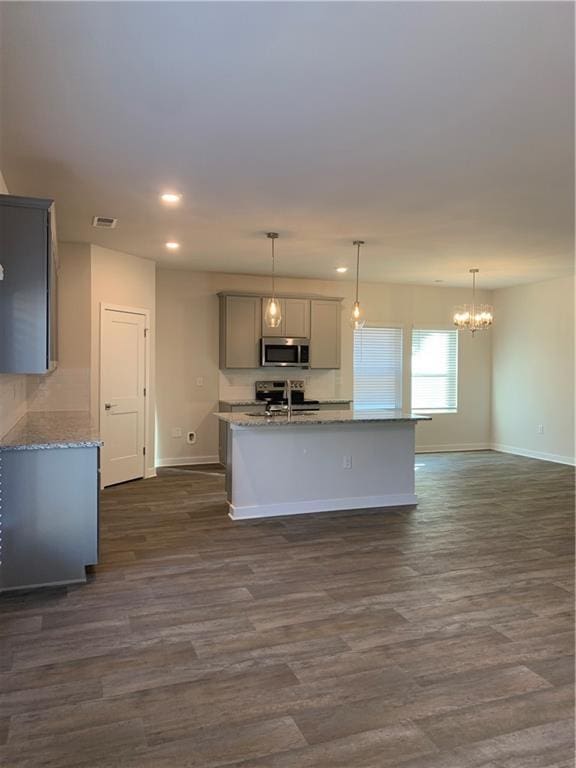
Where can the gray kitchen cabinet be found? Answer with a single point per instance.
(325, 339)
(295, 318)
(28, 290)
(240, 324)
(49, 516)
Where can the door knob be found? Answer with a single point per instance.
(108, 406)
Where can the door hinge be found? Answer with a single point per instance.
(144, 450)
(145, 332)
(144, 391)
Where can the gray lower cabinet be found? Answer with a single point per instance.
(28, 291)
(49, 516)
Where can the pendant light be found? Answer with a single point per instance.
(473, 317)
(273, 314)
(357, 319)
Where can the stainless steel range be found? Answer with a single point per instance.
(275, 395)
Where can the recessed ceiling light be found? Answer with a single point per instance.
(172, 246)
(342, 269)
(171, 197)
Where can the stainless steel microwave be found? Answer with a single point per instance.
(282, 352)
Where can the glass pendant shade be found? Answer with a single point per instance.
(357, 319)
(273, 313)
(473, 317)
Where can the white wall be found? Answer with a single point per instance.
(187, 343)
(12, 388)
(533, 372)
(126, 280)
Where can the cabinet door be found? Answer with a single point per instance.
(50, 516)
(24, 307)
(280, 330)
(297, 318)
(325, 334)
(242, 331)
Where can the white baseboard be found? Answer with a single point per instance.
(453, 447)
(150, 472)
(183, 461)
(322, 505)
(541, 455)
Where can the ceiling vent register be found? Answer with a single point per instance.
(104, 222)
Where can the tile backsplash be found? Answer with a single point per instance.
(12, 401)
(239, 385)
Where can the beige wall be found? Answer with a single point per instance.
(533, 372)
(128, 281)
(187, 343)
(68, 387)
(13, 403)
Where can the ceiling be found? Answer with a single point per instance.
(441, 133)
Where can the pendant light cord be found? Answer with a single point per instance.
(357, 268)
(273, 269)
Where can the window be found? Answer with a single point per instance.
(435, 371)
(377, 368)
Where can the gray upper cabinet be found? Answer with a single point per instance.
(28, 292)
(295, 318)
(240, 324)
(325, 333)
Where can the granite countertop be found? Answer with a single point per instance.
(324, 400)
(51, 429)
(320, 417)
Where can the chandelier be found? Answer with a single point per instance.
(473, 317)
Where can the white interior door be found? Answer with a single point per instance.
(122, 395)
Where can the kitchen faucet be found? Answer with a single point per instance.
(288, 392)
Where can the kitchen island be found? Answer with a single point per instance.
(319, 462)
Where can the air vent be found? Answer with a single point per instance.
(104, 222)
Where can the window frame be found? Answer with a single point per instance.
(440, 328)
(403, 364)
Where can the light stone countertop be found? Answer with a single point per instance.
(324, 400)
(51, 429)
(319, 418)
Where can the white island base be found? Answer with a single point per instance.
(277, 469)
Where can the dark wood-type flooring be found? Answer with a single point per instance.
(437, 637)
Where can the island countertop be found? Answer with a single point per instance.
(320, 417)
(322, 401)
(51, 429)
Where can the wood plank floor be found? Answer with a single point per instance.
(437, 637)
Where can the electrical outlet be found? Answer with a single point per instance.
(347, 462)
(540, 429)
(176, 432)
(191, 438)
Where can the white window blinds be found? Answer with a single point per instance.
(435, 371)
(377, 368)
